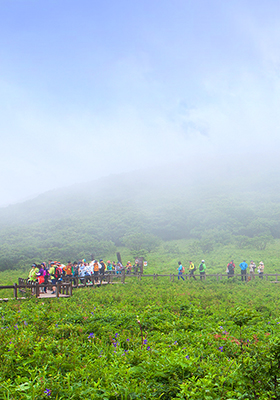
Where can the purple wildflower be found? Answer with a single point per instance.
(127, 340)
(91, 335)
(92, 313)
(175, 342)
(221, 348)
(48, 392)
(25, 323)
(148, 348)
(187, 357)
(16, 326)
(116, 335)
(145, 341)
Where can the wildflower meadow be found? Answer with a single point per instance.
(144, 340)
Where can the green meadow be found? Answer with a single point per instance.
(144, 340)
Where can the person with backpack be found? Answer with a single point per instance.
(230, 269)
(41, 276)
(96, 270)
(181, 270)
(58, 272)
(192, 270)
(52, 276)
(202, 270)
(46, 277)
(252, 267)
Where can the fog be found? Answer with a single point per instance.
(90, 89)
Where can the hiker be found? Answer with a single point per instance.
(102, 269)
(243, 267)
(52, 276)
(252, 267)
(32, 276)
(128, 267)
(202, 270)
(114, 267)
(68, 270)
(261, 269)
(180, 271)
(192, 270)
(82, 272)
(119, 268)
(109, 267)
(75, 269)
(59, 271)
(95, 270)
(46, 277)
(230, 269)
(41, 276)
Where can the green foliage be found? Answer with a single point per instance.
(139, 243)
(91, 345)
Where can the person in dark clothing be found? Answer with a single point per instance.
(192, 270)
(230, 269)
(202, 270)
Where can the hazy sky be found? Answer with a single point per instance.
(89, 88)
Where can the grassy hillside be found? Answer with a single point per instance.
(143, 214)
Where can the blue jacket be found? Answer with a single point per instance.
(243, 266)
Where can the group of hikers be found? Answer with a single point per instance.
(229, 270)
(54, 271)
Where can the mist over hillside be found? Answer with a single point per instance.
(199, 179)
(210, 202)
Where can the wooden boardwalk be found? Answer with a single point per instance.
(63, 288)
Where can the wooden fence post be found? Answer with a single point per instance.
(123, 276)
(37, 294)
(15, 291)
(70, 289)
(266, 277)
(57, 289)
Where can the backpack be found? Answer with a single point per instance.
(201, 267)
(183, 269)
(57, 273)
(230, 268)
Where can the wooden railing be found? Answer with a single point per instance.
(66, 285)
(218, 276)
(33, 288)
